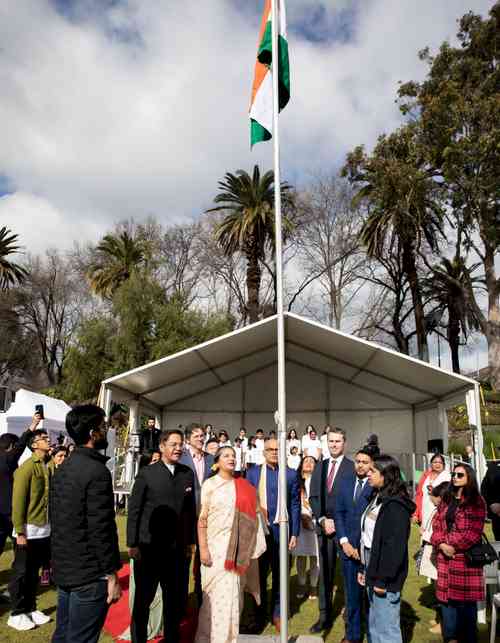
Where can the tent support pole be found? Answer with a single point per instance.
(243, 401)
(327, 400)
(478, 442)
(134, 420)
(414, 427)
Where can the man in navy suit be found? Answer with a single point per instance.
(352, 499)
(200, 463)
(268, 498)
(326, 481)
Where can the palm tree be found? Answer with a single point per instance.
(249, 224)
(401, 198)
(449, 286)
(117, 256)
(10, 273)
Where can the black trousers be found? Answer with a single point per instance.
(327, 563)
(197, 576)
(495, 523)
(166, 567)
(270, 560)
(26, 574)
(5, 530)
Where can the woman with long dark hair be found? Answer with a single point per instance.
(458, 525)
(385, 529)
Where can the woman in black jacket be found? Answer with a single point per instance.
(385, 529)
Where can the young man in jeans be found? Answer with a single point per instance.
(85, 553)
(30, 499)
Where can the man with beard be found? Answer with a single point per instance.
(85, 552)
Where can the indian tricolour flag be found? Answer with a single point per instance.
(261, 108)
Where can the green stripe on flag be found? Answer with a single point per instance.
(265, 57)
(258, 134)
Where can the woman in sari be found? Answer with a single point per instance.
(231, 538)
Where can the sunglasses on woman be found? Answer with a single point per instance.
(458, 474)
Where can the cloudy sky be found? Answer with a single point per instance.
(123, 108)
(113, 109)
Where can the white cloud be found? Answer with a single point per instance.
(41, 226)
(96, 128)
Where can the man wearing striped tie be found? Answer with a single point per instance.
(325, 483)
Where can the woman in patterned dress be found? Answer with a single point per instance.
(222, 529)
(458, 525)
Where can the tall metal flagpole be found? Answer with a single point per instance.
(281, 416)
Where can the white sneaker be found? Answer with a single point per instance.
(20, 622)
(39, 618)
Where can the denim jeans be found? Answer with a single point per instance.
(384, 617)
(81, 612)
(459, 621)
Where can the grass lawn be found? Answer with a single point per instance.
(416, 613)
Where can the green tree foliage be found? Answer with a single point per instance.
(117, 257)
(177, 327)
(11, 273)
(449, 280)
(248, 225)
(400, 196)
(136, 304)
(90, 359)
(457, 109)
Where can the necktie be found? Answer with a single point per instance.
(331, 476)
(358, 491)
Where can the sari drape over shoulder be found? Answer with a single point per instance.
(223, 588)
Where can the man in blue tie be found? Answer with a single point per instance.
(265, 479)
(352, 500)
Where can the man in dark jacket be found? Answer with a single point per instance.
(160, 536)
(490, 490)
(85, 551)
(326, 480)
(149, 437)
(11, 449)
(352, 500)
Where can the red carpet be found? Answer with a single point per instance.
(118, 618)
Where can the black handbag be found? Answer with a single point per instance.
(481, 554)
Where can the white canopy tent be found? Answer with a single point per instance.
(332, 378)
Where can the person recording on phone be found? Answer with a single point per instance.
(11, 449)
(30, 501)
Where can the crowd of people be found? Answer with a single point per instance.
(202, 504)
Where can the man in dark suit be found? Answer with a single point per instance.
(200, 463)
(265, 479)
(490, 490)
(160, 536)
(352, 499)
(149, 437)
(325, 483)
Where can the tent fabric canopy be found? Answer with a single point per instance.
(403, 382)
